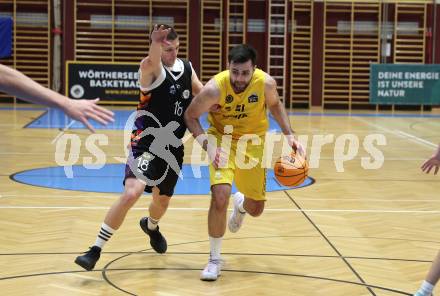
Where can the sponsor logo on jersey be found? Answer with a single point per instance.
(229, 99)
(236, 116)
(185, 94)
(253, 98)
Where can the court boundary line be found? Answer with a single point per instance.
(368, 286)
(229, 254)
(5, 207)
(332, 246)
(35, 119)
(417, 138)
(399, 134)
(290, 113)
(200, 196)
(105, 268)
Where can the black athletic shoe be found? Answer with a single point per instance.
(157, 241)
(89, 259)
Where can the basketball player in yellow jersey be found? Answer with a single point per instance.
(241, 94)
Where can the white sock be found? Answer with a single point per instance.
(152, 224)
(105, 233)
(216, 244)
(426, 288)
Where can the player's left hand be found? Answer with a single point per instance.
(296, 145)
(83, 110)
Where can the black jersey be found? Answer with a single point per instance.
(167, 101)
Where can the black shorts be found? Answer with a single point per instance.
(153, 169)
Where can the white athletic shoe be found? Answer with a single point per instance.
(212, 270)
(236, 218)
(419, 293)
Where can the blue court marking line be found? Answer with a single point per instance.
(404, 115)
(108, 179)
(24, 108)
(37, 118)
(55, 118)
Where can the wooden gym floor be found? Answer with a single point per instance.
(357, 232)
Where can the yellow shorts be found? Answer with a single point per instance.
(244, 166)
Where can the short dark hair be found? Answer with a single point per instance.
(242, 53)
(172, 35)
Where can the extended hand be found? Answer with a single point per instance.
(434, 161)
(82, 110)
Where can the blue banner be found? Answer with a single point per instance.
(5, 37)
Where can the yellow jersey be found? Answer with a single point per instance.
(245, 112)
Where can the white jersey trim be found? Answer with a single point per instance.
(156, 82)
(177, 67)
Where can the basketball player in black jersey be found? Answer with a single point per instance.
(167, 87)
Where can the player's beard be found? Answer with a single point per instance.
(239, 87)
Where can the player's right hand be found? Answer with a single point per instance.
(433, 162)
(218, 156)
(296, 145)
(160, 34)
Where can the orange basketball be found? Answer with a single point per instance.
(291, 170)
